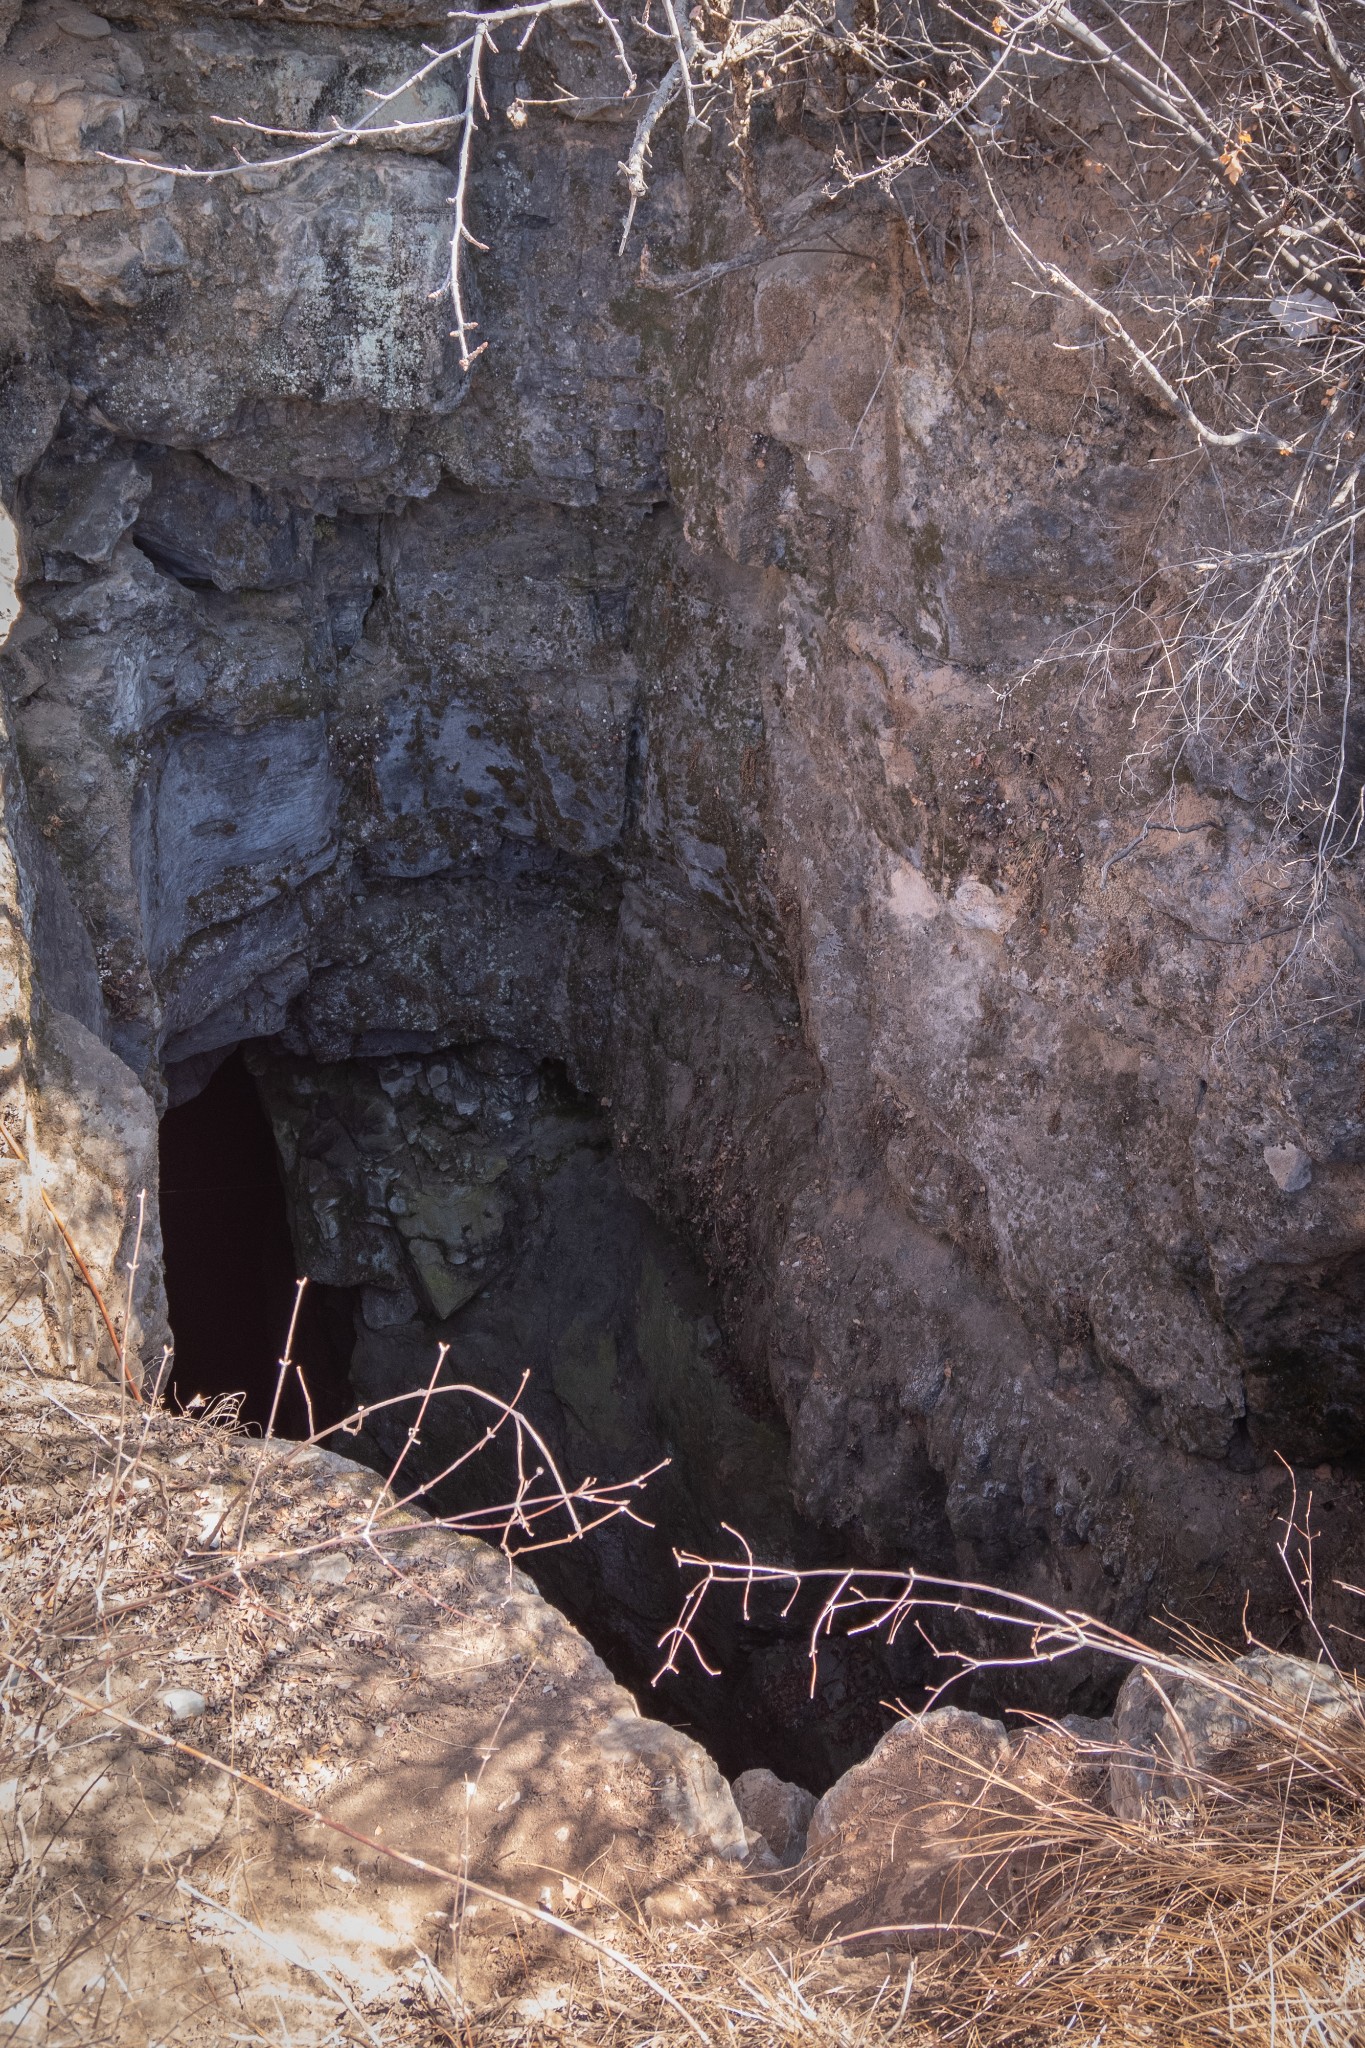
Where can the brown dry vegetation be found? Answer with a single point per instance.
(1234, 1918)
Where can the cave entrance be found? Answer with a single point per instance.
(471, 1197)
(230, 1267)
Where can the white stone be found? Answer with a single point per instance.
(1291, 1169)
(80, 22)
(1303, 313)
(183, 1704)
(912, 896)
(976, 905)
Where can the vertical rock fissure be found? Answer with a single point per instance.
(230, 1267)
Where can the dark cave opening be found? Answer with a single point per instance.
(230, 1267)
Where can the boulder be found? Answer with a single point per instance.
(415, 1690)
(885, 1848)
(1171, 1732)
(929, 1835)
(775, 1811)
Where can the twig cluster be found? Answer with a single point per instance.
(1035, 1633)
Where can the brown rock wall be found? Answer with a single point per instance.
(663, 701)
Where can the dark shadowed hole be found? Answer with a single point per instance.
(172, 563)
(230, 1272)
(230, 1268)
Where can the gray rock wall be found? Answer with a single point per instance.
(659, 701)
(80, 1240)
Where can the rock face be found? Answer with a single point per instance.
(78, 1151)
(654, 708)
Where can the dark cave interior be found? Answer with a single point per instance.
(230, 1267)
(231, 1273)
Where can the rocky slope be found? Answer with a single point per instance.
(280, 1644)
(284, 1756)
(644, 727)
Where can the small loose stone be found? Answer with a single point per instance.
(182, 1704)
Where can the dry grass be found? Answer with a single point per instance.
(1236, 1918)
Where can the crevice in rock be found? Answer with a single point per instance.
(230, 1265)
(171, 564)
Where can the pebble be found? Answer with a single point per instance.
(182, 1704)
